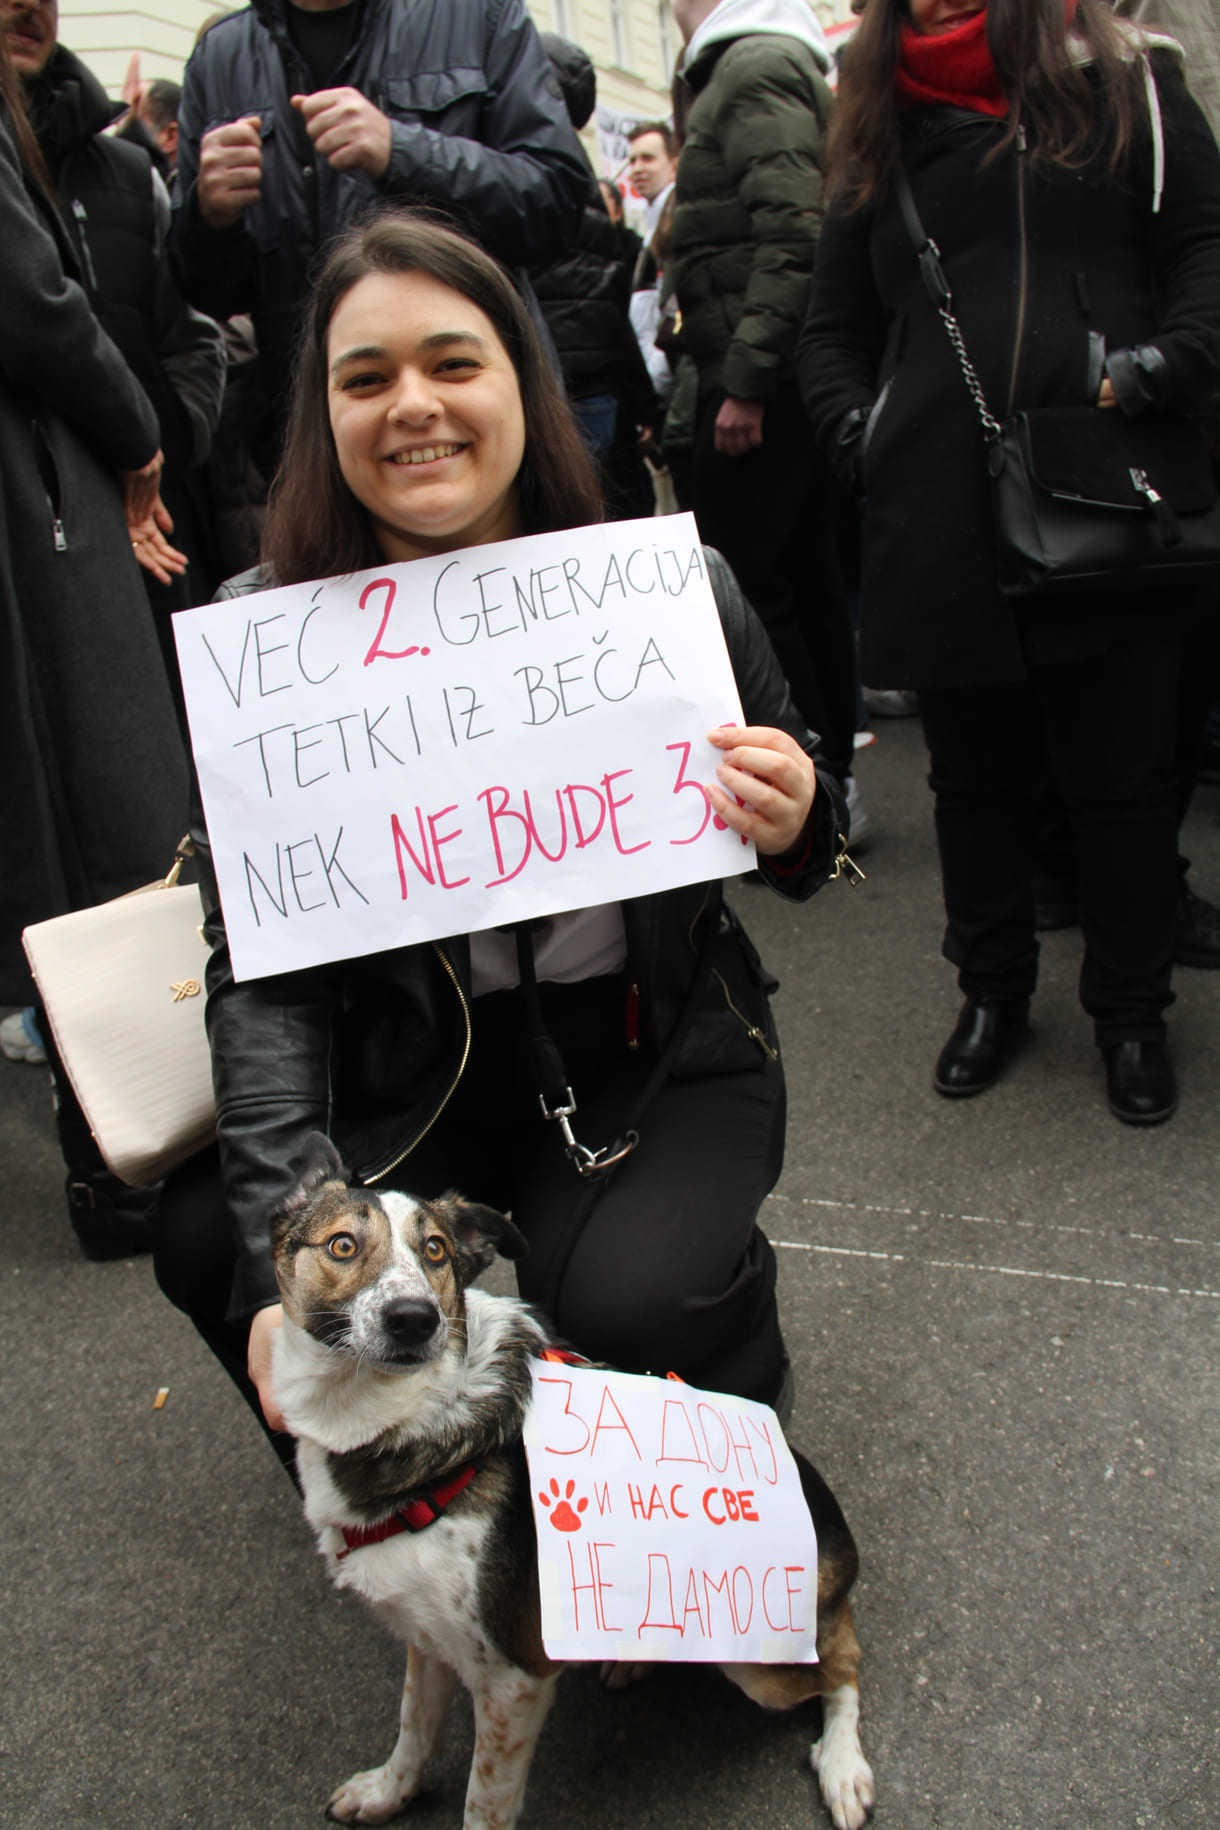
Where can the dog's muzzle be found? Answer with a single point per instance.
(409, 1323)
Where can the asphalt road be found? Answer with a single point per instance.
(1003, 1314)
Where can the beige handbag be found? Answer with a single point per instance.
(122, 986)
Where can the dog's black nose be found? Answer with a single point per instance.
(410, 1320)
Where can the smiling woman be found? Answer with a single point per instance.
(416, 342)
(426, 415)
(425, 420)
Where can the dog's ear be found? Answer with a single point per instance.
(320, 1162)
(481, 1234)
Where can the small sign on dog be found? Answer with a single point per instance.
(671, 1523)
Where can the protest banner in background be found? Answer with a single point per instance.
(457, 743)
(671, 1523)
(613, 147)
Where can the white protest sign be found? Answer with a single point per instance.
(457, 743)
(613, 148)
(671, 1523)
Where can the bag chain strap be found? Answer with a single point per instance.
(933, 276)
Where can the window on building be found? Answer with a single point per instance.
(665, 26)
(618, 32)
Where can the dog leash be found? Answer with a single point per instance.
(555, 1095)
(557, 1101)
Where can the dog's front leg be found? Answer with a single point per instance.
(844, 1775)
(509, 1711)
(376, 1796)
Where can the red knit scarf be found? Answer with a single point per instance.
(950, 67)
(954, 67)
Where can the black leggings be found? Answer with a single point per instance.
(669, 1272)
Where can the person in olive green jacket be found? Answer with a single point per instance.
(748, 207)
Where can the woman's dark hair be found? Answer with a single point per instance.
(315, 527)
(12, 95)
(1072, 108)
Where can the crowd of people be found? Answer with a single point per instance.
(187, 277)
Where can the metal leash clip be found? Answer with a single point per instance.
(585, 1161)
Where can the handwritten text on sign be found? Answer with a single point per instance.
(671, 1523)
(434, 748)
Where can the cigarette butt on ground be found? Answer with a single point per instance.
(159, 1400)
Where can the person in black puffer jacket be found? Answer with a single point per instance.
(584, 298)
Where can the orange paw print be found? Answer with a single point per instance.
(563, 1518)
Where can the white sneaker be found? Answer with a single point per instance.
(860, 825)
(891, 702)
(19, 1039)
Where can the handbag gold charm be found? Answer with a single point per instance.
(187, 988)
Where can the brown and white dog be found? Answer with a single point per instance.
(407, 1391)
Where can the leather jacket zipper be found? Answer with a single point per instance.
(379, 1174)
(752, 1030)
(1023, 269)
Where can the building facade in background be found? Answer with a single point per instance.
(633, 43)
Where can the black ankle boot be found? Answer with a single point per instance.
(983, 1037)
(1140, 1082)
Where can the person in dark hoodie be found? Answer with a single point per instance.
(584, 298)
(117, 212)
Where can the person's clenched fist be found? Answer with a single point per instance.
(230, 171)
(349, 132)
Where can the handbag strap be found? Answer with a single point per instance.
(933, 276)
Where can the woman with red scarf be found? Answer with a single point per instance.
(1072, 187)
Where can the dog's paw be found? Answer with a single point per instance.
(369, 1798)
(845, 1779)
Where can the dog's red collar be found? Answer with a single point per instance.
(426, 1508)
(418, 1513)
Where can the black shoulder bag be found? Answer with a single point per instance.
(1085, 499)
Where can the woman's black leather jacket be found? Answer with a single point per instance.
(370, 1050)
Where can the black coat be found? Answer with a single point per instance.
(94, 789)
(105, 189)
(370, 1050)
(479, 131)
(1094, 260)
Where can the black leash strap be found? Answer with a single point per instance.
(556, 1099)
(554, 1091)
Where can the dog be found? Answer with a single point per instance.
(407, 1391)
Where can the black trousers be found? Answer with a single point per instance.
(771, 513)
(1198, 687)
(1109, 729)
(670, 1271)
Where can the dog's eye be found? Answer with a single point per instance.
(435, 1249)
(342, 1246)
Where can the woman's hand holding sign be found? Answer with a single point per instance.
(769, 772)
